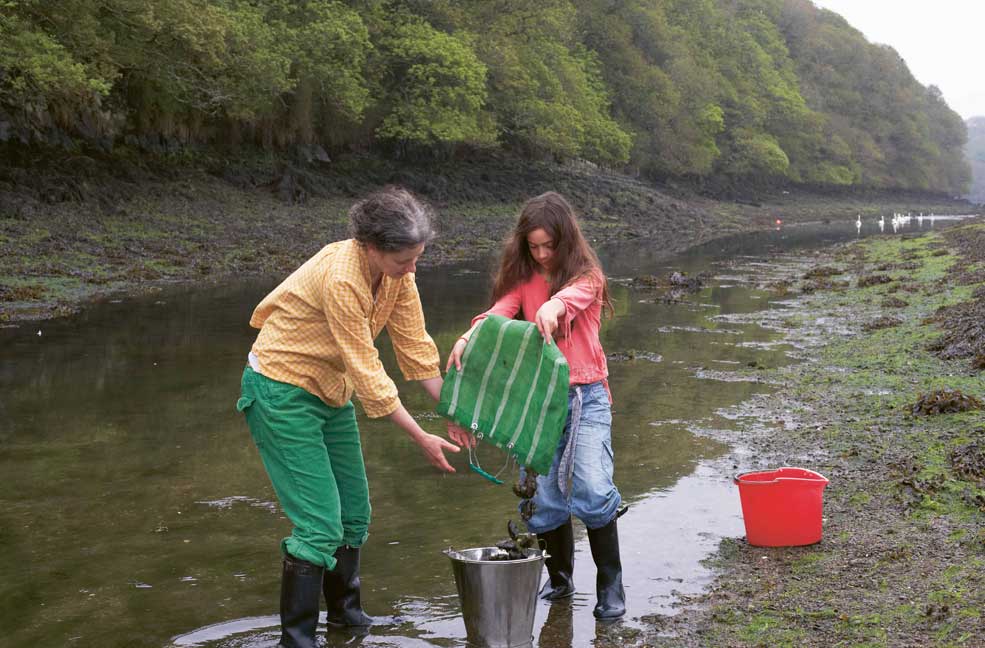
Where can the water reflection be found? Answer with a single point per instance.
(135, 508)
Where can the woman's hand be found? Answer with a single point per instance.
(434, 448)
(547, 316)
(460, 435)
(455, 357)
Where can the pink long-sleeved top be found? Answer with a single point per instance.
(578, 327)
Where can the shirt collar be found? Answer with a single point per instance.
(360, 251)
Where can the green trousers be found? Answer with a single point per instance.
(314, 460)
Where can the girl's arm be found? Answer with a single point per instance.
(508, 306)
(547, 318)
(457, 349)
(580, 294)
(567, 303)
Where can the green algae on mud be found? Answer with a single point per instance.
(130, 225)
(198, 227)
(901, 562)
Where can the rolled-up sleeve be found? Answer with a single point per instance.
(578, 295)
(348, 319)
(416, 352)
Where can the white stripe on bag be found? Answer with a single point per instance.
(489, 368)
(526, 406)
(543, 410)
(509, 383)
(458, 376)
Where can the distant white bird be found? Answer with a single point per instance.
(882, 223)
(39, 332)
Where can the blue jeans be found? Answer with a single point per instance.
(593, 497)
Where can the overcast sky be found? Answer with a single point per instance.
(940, 40)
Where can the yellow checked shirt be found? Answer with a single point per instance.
(317, 330)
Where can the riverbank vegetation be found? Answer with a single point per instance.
(727, 95)
(892, 415)
(190, 140)
(87, 229)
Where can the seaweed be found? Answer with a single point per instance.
(516, 545)
(882, 323)
(634, 354)
(968, 460)
(978, 362)
(894, 302)
(873, 280)
(822, 271)
(944, 401)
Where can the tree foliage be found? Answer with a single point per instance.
(736, 91)
(434, 87)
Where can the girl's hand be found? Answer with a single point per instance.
(547, 316)
(455, 357)
(460, 435)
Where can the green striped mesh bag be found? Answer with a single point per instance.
(512, 391)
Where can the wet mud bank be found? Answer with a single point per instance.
(886, 403)
(75, 230)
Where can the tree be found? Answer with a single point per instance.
(434, 87)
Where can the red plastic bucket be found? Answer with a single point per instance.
(781, 508)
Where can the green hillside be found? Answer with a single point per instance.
(720, 92)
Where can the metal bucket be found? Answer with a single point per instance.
(498, 597)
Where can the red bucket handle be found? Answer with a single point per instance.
(814, 478)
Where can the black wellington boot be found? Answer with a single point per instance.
(560, 547)
(342, 590)
(300, 590)
(608, 581)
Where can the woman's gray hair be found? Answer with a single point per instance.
(390, 220)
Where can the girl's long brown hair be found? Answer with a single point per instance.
(573, 257)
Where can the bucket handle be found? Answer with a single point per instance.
(737, 478)
(454, 553)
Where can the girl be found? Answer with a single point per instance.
(552, 277)
(314, 350)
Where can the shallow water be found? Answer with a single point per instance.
(135, 511)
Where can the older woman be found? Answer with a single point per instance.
(314, 350)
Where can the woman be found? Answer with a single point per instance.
(314, 350)
(551, 276)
